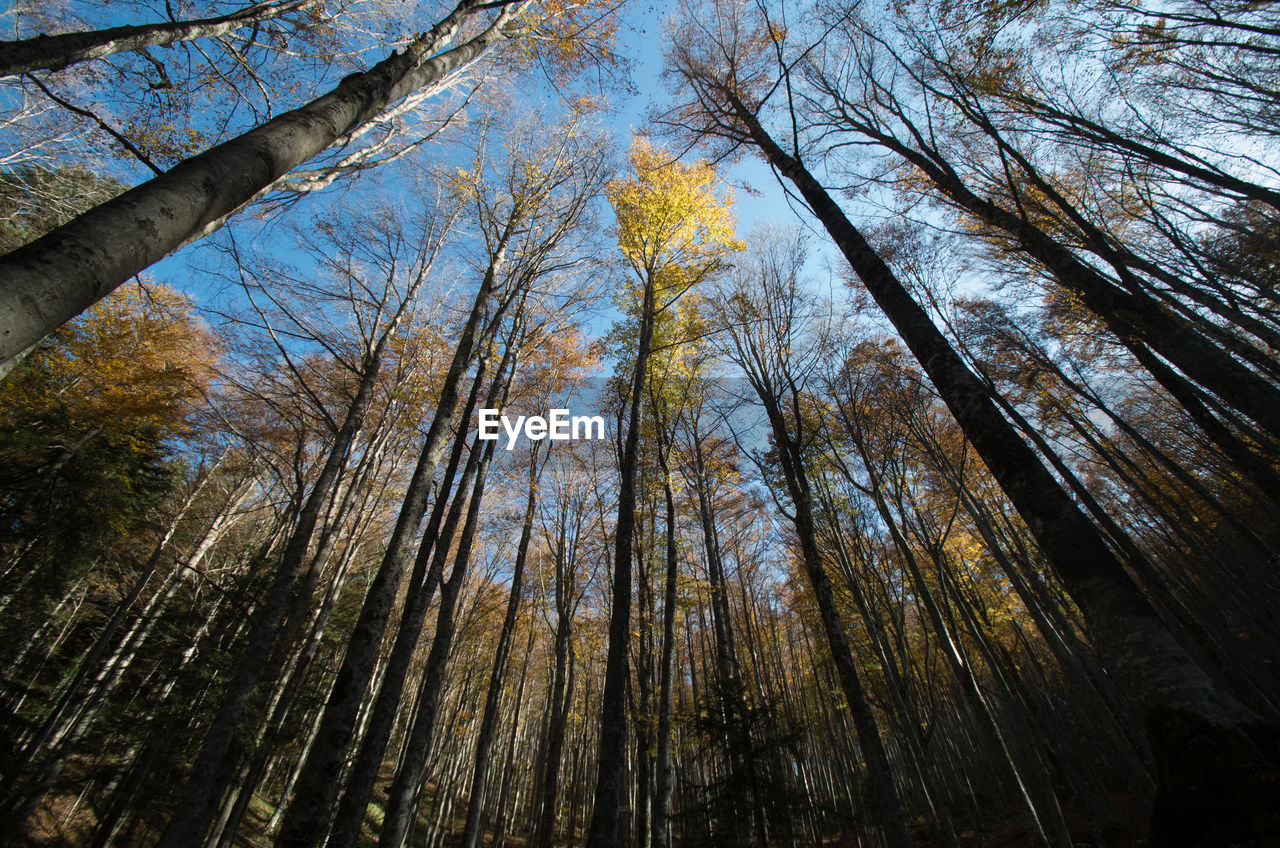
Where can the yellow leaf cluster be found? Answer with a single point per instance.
(675, 223)
(564, 36)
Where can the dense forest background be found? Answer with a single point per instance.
(938, 344)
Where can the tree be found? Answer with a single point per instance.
(106, 399)
(674, 231)
(55, 52)
(95, 253)
(527, 213)
(1157, 303)
(766, 328)
(100, 408)
(948, 552)
(728, 92)
(386, 316)
(35, 199)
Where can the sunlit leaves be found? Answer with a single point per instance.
(137, 359)
(674, 220)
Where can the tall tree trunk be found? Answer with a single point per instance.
(199, 800)
(908, 716)
(406, 788)
(51, 280)
(500, 825)
(744, 791)
(666, 664)
(472, 831)
(561, 692)
(433, 553)
(64, 734)
(612, 748)
(55, 52)
(1215, 759)
(892, 817)
(641, 693)
(308, 815)
(1129, 312)
(291, 663)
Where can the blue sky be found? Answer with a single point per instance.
(766, 201)
(641, 42)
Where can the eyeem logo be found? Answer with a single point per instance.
(558, 427)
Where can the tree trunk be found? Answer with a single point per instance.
(891, 814)
(744, 791)
(199, 800)
(612, 749)
(433, 553)
(308, 813)
(51, 280)
(1132, 315)
(472, 832)
(1215, 759)
(561, 692)
(55, 52)
(662, 791)
(406, 788)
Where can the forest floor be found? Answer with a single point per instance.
(64, 823)
(1123, 824)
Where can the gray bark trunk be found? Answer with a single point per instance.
(561, 691)
(51, 280)
(55, 52)
(1202, 735)
(603, 831)
(472, 830)
(663, 772)
(406, 788)
(198, 806)
(433, 552)
(661, 836)
(308, 815)
(864, 720)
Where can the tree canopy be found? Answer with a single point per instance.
(935, 347)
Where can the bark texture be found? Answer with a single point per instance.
(55, 52)
(51, 280)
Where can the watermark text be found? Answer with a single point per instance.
(557, 426)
